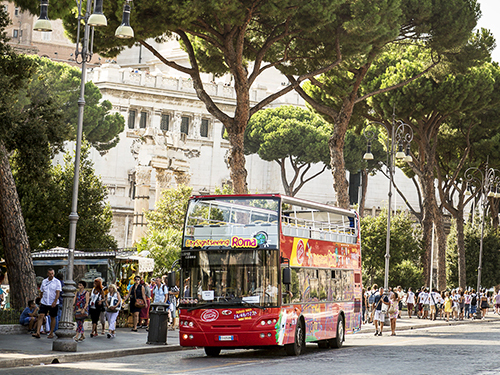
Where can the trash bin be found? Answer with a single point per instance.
(158, 323)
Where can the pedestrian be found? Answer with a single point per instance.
(96, 305)
(448, 306)
(363, 306)
(401, 296)
(467, 304)
(381, 305)
(80, 303)
(29, 315)
(50, 291)
(496, 302)
(102, 315)
(173, 293)
(113, 306)
(410, 301)
(393, 312)
(160, 292)
(144, 313)
(137, 296)
(473, 304)
(455, 298)
(59, 277)
(461, 304)
(484, 304)
(371, 300)
(433, 300)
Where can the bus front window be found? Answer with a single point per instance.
(230, 277)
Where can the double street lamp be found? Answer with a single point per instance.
(399, 135)
(83, 55)
(489, 181)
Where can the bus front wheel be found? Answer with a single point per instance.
(211, 351)
(297, 347)
(339, 339)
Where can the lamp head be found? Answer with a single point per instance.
(400, 154)
(97, 18)
(368, 155)
(125, 31)
(43, 23)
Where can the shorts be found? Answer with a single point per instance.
(52, 311)
(497, 305)
(426, 307)
(433, 309)
(26, 321)
(379, 315)
(410, 306)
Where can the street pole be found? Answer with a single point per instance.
(402, 135)
(489, 179)
(64, 341)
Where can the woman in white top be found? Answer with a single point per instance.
(113, 305)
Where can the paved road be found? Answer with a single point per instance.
(463, 349)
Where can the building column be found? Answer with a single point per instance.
(141, 201)
(164, 178)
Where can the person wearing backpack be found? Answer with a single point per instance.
(381, 305)
(473, 304)
(371, 301)
(160, 292)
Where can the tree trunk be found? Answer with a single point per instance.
(494, 207)
(462, 277)
(441, 239)
(15, 242)
(237, 162)
(429, 203)
(336, 144)
(364, 188)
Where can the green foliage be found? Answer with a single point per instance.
(405, 250)
(292, 133)
(170, 210)
(95, 217)
(164, 246)
(491, 255)
(62, 81)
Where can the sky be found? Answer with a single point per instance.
(490, 10)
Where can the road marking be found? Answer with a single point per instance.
(210, 368)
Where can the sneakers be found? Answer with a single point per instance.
(380, 333)
(376, 333)
(108, 335)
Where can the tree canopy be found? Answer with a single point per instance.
(293, 134)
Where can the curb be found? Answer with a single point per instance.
(85, 356)
(429, 324)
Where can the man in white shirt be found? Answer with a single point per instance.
(49, 290)
(424, 300)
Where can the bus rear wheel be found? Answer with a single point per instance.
(300, 341)
(339, 339)
(211, 351)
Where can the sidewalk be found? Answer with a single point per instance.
(414, 323)
(21, 349)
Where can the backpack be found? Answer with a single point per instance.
(371, 299)
(473, 300)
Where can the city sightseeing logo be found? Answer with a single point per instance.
(209, 315)
(300, 252)
(238, 242)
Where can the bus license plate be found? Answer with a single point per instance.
(226, 338)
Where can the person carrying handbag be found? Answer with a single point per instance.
(96, 305)
(113, 306)
(381, 303)
(137, 295)
(81, 303)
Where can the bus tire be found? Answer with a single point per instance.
(211, 351)
(337, 342)
(297, 347)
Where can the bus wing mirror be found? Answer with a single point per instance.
(171, 279)
(287, 276)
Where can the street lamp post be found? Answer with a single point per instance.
(400, 134)
(83, 55)
(489, 181)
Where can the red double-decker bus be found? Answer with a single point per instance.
(265, 270)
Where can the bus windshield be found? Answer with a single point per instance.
(232, 222)
(230, 278)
